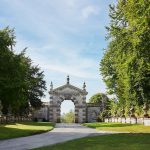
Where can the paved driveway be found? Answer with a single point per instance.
(62, 133)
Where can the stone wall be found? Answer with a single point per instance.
(12, 119)
(147, 121)
(92, 112)
(67, 92)
(41, 114)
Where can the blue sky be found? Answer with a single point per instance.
(65, 37)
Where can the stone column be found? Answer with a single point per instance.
(58, 114)
(76, 114)
(51, 112)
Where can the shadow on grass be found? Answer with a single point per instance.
(37, 123)
(7, 133)
(30, 123)
(31, 128)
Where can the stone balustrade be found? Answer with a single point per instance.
(11, 119)
(131, 120)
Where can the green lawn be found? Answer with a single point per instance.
(127, 141)
(24, 129)
(119, 127)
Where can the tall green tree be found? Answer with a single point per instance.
(21, 83)
(125, 66)
(37, 86)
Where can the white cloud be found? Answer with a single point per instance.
(58, 36)
(70, 3)
(89, 10)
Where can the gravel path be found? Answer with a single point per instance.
(61, 133)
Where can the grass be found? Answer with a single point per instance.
(24, 129)
(119, 127)
(126, 141)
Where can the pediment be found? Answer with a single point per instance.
(68, 89)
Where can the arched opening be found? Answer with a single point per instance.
(67, 110)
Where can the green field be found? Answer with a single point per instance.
(138, 139)
(24, 129)
(126, 141)
(119, 127)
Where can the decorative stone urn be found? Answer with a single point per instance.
(145, 108)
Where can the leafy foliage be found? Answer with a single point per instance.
(125, 66)
(104, 102)
(68, 117)
(21, 83)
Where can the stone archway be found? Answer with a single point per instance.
(67, 108)
(68, 92)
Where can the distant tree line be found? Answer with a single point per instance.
(21, 83)
(125, 66)
(68, 117)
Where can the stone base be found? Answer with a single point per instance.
(119, 120)
(113, 119)
(147, 121)
(133, 120)
(106, 120)
(109, 119)
(140, 120)
(116, 119)
(123, 120)
(128, 120)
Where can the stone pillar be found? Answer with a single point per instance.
(76, 115)
(58, 114)
(147, 121)
(133, 120)
(123, 120)
(51, 119)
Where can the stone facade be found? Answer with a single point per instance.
(42, 113)
(68, 92)
(93, 112)
(84, 112)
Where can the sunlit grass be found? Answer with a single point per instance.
(119, 127)
(24, 129)
(136, 141)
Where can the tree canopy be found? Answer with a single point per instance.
(125, 66)
(21, 83)
(99, 98)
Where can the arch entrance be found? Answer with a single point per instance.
(67, 111)
(68, 92)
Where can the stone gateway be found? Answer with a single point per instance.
(84, 112)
